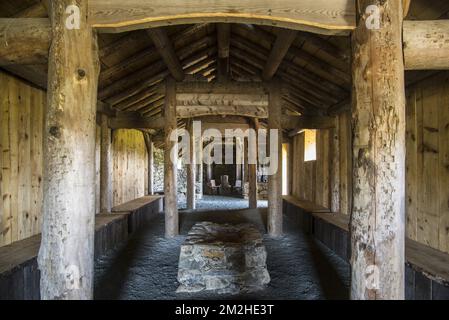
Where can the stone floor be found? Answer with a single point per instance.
(146, 267)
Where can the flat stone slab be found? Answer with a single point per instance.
(224, 258)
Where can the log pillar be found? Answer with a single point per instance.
(191, 170)
(105, 166)
(150, 152)
(377, 221)
(66, 255)
(275, 179)
(170, 161)
(252, 172)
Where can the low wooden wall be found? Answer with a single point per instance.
(19, 275)
(427, 274)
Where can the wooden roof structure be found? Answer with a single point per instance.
(315, 68)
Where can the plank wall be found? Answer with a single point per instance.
(21, 161)
(427, 162)
(130, 166)
(21, 125)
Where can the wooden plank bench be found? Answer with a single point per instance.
(140, 210)
(427, 269)
(19, 275)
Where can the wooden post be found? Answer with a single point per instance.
(170, 165)
(105, 166)
(66, 255)
(275, 180)
(150, 151)
(252, 174)
(377, 221)
(191, 174)
(199, 194)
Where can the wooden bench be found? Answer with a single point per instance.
(140, 210)
(427, 269)
(19, 275)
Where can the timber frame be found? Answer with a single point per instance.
(276, 88)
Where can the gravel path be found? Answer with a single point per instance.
(146, 267)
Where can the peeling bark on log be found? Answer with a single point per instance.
(66, 255)
(377, 220)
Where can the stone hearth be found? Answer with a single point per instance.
(224, 258)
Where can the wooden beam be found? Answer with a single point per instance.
(200, 110)
(223, 40)
(66, 255)
(378, 208)
(170, 161)
(274, 219)
(280, 48)
(105, 166)
(231, 87)
(24, 40)
(135, 121)
(167, 51)
(37, 10)
(321, 16)
(426, 45)
(307, 122)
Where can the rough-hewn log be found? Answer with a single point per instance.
(105, 166)
(377, 221)
(321, 16)
(426, 45)
(280, 47)
(167, 51)
(223, 40)
(150, 151)
(66, 255)
(252, 171)
(275, 180)
(24, 40)
(191, 170)
(170, 161)
(199, 110)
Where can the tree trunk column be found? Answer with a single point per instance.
(66, 255)
(105, 166)
(377, 222)
(191, 174)
(275, 180)
(171, 160)
(150, 151)
(252, 172)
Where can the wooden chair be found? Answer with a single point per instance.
(213, 187)
(238, 186)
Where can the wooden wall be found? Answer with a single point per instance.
(21, 161)
(326, 181)
(21, 126)
(130, 165)
(310, 179)
(427, 176)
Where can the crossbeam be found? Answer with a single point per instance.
(320, 16)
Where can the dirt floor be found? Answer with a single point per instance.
(146, 267)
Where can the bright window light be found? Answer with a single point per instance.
(309, 145)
